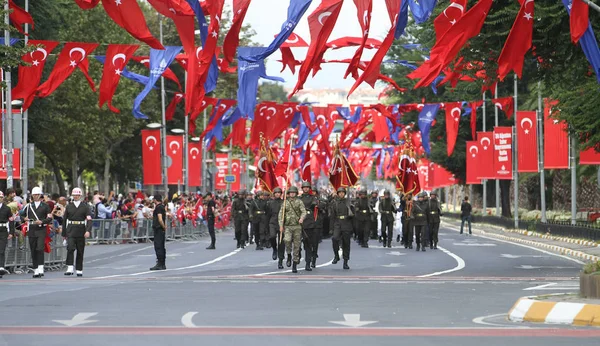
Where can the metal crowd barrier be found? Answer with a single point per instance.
(113, 231)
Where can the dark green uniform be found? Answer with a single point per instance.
(419, 221)
(341, 212)
(387, 210)
(363, 219)
(258, 211)
(273, 207)
(373, 202)
(322, 216)
(433, 214)
(239, 209)
(310, 235)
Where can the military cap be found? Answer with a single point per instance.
(341, 189)
(362, 192)
(242, 192)
(277, 190)
(292, 189)
(386, 192)
(306, 184)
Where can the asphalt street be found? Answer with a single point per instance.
(457, 295)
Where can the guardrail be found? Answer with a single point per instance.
(113, 231)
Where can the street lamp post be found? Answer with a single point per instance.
(163, 151)
(8, 108)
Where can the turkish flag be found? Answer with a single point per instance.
(87, 4)
(453, 113)
(423, 169)
(579, 20)
(175, 153)
(527, 150)
(294, 41)
(73, 54)
(151, 157)
(474, 105)
(486, 155)
(363, 11)
(441, 176)
(473, 163)
(341, 173)
(380, 126)
(232, 40)
(19, 17)
(236, 167)
(503, 153)
(518, 41)
(221, 161)
(238, 134)
(448, 17)
(183, 16)
(589, 157)
(30, 76)
(195, 164)
(349, 41)
(263, 113)
(281, 169)
(505, 104)
(266, 169)
(324, 124)
(16, 165)
(320, 23)
(168, 74)
(223, 107)
(412, 177)
(280, 121)
(128, 15)
(402, 177)
(305, 173)
(117, 57)
(207, 101)
(170, 112)
(556, 138)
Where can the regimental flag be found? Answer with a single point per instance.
(341, 173)
(413, 185)
(556, 138)
(527, 150)
(473, 164)
(305, 173)
(486, 155)
(402, 176)
(151, 157)
(503, 153)
(195, 164)
(175, 153)
(266, 167)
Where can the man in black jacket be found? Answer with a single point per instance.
(239, 210)
(387, 210)
(310, 237)
(363, 218)
(342, 213)
(37, 215)
(465, 214)
(7, 231)
(434, 219)
(273, 207)
(76, 225)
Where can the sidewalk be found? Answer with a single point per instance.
(580, 249)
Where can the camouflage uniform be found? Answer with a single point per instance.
(294, 211)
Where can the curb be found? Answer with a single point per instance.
(552, 237)
(577, 314)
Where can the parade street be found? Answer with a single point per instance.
(459, 295)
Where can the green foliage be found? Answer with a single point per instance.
(271, 91)
(592, 268)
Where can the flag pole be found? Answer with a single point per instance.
(516, 160)
(163, 128)
(541, 153)
(573, 140)
(287, 172)
(484, 181)
(8, 107)
(497, 181)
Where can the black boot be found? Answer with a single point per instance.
(398, 238)
(156, 266)
(280, 264)
(313, 263)
(274, 254)
(336, 259)
(418, 247)
(389, 245)
(211, 247)
(435, 245)
(423, 249)
(294, 269)
(346, 264)
(308, 268)
(288, 263)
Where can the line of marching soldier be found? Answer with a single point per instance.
(421, 220)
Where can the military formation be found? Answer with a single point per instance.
(288, 224)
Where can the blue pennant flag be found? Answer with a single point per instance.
(412, 46)
(248, 75)
(588, 43)
(421, 9)
(231, 116)
(12, 41)
(126, 73)
(426, 117)
(295, 12)
(402, 20)
(302, 135)
(159, 61)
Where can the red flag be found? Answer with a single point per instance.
(208, 101)
(505, 104)
(402, 177)
(183, 17)
(371, 72)
(348, 41)
(321, 23)
(503, 152)
(380, 126)
(30, 76)
(486, 155)
(579, 20)
(128, 15)
(424, 177)
(16, 165)
(175, 152)
(260, 124)
(222, 162)
(232, 40)
(589, 157)
(195, 163)
(117, 57)
(238, 134)
(473, 163)
(453, 112)
(556, 138)
(341, 173)
(170, 112)
(73, 54)
(19, 17)
(218, 113)
(280, 121)
(324, 124)
(235, 171)
(305, 173)
(527, 149)
(448, 46)
(474, 106)
(281, 168)
(266, 167)
(363, 10)
(87, 4)
(518, 41)
(151, 157)
(449, 17)
(168, 74)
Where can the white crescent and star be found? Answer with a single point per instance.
(499, 105)
(456, 118)
(117, 57)
(526, 120)
(235, 164)
(198, 50)
(176, 144)
(322, 16)
(459, 6)
(485, 139)
(321, 116)
(40, 50)
(78, 49)
(476, 150)
(260, 164)
(153, 139)
(196, 154)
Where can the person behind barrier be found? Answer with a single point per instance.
(77, 223)
(37, 215)
(7, 231)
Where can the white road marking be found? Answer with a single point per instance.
(186, 319)
(393, 265)
(474, 244)
(481, 320)
(299, 269)
(529, 267)
(353, 320)
(553, 286)
(506, 255)
(460, 264)
(395, 253)
(80, 318)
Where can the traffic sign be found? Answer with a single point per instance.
(230, 179)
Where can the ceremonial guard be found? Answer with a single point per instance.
(407, 226)
(77, 223)
(258, 212)
(7, 231)
(319, 222)
(387, 210)
(240, 210)
(373, 203)
(419, 221)
(342, 213)
(434, 219)
(291, 218)
(273, 207)
(311, 239)
(37, 215)
(363, 218)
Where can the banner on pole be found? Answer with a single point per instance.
(151, 157)
(527, 152)
(473, 163)
(175, 159)
(195, 164)
(486, 155)
(503, 153)
(221, 162)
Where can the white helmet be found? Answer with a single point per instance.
(76, 192)
(36, 191)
